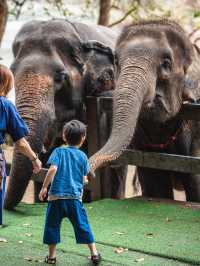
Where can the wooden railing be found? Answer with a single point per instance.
(99, 119)
(101, 109)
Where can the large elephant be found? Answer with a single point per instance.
(57, 64)
(158, 69)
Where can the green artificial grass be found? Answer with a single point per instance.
(150, 233)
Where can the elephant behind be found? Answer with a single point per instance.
(158, 69)
(57, 64)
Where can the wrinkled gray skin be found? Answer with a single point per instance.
(57, 64)
(158, 69)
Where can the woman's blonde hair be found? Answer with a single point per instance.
(6, 80)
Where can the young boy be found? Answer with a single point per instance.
(69, 167)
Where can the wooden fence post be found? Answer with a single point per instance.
(93, 142)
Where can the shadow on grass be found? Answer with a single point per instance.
(154, 254)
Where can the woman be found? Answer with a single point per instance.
(12, 123)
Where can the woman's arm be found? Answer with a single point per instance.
(23, 146)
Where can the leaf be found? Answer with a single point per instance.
(28, 258)
(28, 234)
(119, 233)
(188, 205)
(27, 225)
(3, 240)
(39, 260)
(120, 250)
(149, 235)
(33, 259)
(168, 220)
(139, 260)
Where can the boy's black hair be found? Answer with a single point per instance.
(73, 131)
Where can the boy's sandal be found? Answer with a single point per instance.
(50, 260)
(96, 259)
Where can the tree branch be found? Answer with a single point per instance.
(105, 6)
(3, 17)
(124, 17)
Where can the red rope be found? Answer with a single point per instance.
(170, 141)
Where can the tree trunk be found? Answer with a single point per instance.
(3, 17)
(105, 6)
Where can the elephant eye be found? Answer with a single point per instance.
(166, 65)
(60, 76)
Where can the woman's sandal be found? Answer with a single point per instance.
(96, 259)
(50, 260)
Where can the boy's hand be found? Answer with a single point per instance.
(91, 175)
(43, 194)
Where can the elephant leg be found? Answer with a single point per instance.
(18, 181)
(155, 183)
(192, 181)
(192, 187)
(37, 188)
(118, 181)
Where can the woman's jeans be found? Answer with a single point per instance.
(2, 183)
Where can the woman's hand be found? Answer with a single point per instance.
(37, 165)
(43, 193)
(85, 180)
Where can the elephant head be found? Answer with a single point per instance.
(152, 59)
(55, 67)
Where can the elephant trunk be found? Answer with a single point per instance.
(34, 107)
(136, 80)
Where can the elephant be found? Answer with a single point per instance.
(157, 71)
(56, 64)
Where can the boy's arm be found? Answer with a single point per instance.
(50, 174)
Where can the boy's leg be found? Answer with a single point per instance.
(52, 226)
(52, 251)
(93, 249)
(78, 217)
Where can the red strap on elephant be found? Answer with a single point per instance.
(170, 141)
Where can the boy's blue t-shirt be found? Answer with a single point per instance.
(10, 121)
(72, 165)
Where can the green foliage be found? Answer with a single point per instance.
(197, 13)
(181, 11)
(184, 12)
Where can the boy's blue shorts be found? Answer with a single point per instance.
(75, 212)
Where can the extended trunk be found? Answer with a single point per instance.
(32, 106)
(133, 86)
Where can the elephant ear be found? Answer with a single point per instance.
(189, 90)
(192, 81)
(93, 45)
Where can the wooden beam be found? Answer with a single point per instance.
(93, 114)
(172, 162)
(189, 111)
